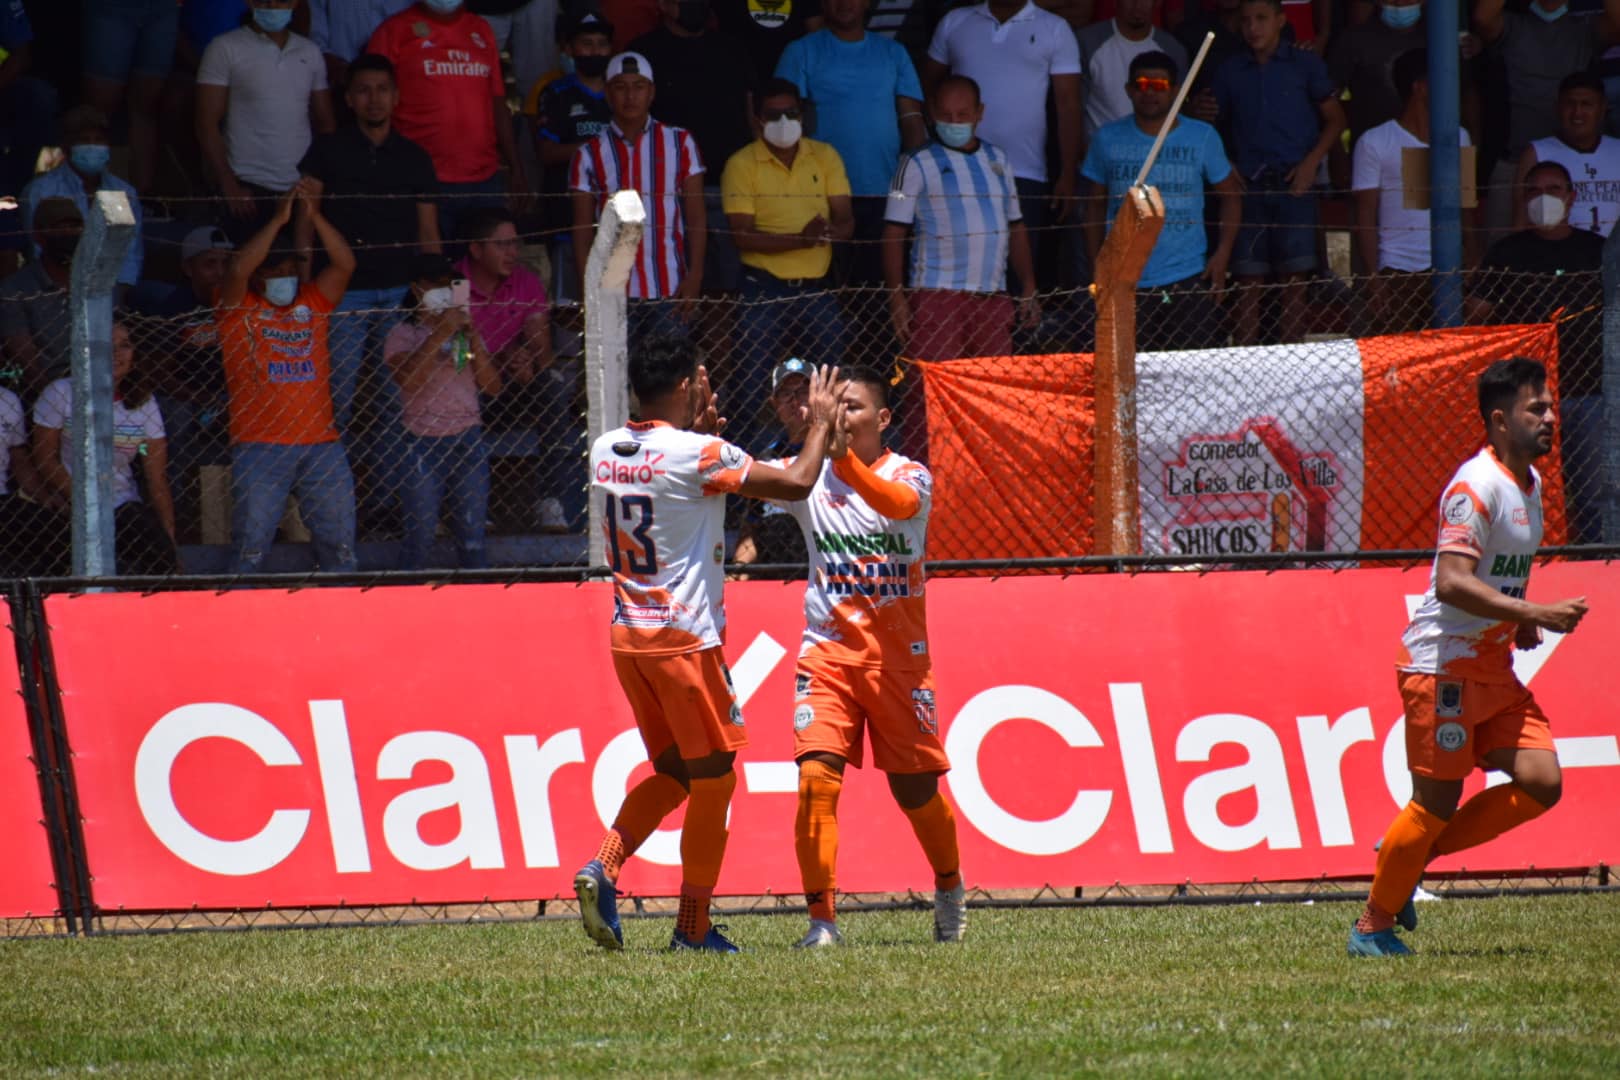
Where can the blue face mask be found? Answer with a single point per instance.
(443, 7)
(89, 158)
(1400, 18)
(272, 20)
(281, 291)
(1550, 16)
(954, 136)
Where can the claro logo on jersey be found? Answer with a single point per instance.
(1249, 490)
(630, 472)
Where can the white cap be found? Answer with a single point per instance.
(204, 238)
(629, 63)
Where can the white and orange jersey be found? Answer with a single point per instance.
(864, 602)
(663, 492)
(1487, 515)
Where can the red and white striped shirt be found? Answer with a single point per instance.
(655, 165)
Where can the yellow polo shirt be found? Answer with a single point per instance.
(784, 200)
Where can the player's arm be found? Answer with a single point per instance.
(1456, 585)
(797, 480)
(891, 498)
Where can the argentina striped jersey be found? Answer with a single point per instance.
(959, 206)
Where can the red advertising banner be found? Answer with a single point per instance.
(26, 878)
(397, 744)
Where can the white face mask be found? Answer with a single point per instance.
(783, 132)
(1546, 211)
(436, 300)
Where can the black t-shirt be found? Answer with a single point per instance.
(495, 7)
(382, 231)
(179, 329)
(1527, 277)
(701, 87)
(764, 27)
(568, 112)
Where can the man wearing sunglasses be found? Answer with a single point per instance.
(786, 199)
(1182, 281)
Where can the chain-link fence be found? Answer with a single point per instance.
(383, 435)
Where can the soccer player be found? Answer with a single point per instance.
(663, 481)
(1464, 706)
(863, 663)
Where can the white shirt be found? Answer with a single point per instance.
(131, 430)
(1403, 235)
(13, 433)
(961, 206)
(1013, 63)
(1106, 100)
(1487, 515)
(1597, 180)
(267, 128)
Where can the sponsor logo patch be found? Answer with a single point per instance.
(1448, 698)
(1451, 736)
(922, 703)
(919, 648)
(803, 717)
(732, 457)
(736, 715)
(801, 686)
(1459, 508)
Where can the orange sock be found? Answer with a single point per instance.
(703, 848)
(647, 804)
(1486, 816)
(935, 826)
(1401, 858)
(815, 836)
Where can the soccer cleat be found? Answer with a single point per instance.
(1382, 943)
(950, 914)
(1407, 916)
(598, 905)
(822, 933)
(713, 941)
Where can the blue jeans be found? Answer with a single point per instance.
(264, 474)
(125, 37)
(355, 334)
(777, 319)
(440, 468)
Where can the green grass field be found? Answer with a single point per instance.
(1524, 986)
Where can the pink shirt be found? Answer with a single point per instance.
(499, 315)
(447, 404)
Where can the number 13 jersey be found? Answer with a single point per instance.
(662, 492)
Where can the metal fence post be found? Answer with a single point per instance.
(1608, 472)
(109, 228)
(607, 329)
(1445, 163)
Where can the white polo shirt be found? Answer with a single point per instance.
(1013, 63)
(267, 117)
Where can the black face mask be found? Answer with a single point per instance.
(592, 67)
(694, 16)
(60, 249)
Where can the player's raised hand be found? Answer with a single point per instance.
(1563, 616)
(706, 418)
(838, 443)
(825, 393)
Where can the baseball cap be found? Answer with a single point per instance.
(790, 366)
(587, 23)
(629, 63)
(204, 238)
(55, 212)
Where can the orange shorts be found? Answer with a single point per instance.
(685, 700)
(1451, 724)
(834, 703)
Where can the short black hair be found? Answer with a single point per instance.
(1499, 384)
(481, 222)
(1278, 4)
(1154, 61)
(659, 365)
(870, 377)
(1409, 69)
(429, 267)
(776, 88)
(1582, 80)
(373, 62)
(971, 85)
(1552, 166)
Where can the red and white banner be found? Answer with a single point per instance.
(25, 856)
(338, 746)
(1322, 446)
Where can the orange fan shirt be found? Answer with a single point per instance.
(449, 71)
(278, 371)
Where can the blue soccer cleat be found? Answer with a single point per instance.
(1382, 943)
(598, 905)
(713, 941)
(1406, 918)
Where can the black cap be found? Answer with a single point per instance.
(587, 22)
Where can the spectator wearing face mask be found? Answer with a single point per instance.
(1362, 61)
(569, 112)
(34, 323)
(278, 372)
(1589, 156)
(84, 131)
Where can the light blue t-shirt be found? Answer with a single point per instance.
(854, 84)
(1192, 156)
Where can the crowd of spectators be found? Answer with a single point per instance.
(362, 224)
